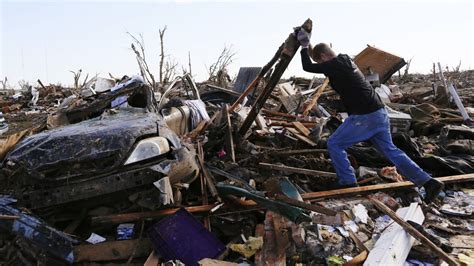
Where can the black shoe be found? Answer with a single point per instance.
(432, 188)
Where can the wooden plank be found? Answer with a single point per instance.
(291, 45)
(289, 124)
(128, 217)
(152, 260)
(301, 137)
(229, 136)
(301, 128)
(297, 170)
(299, 152)
(113, 250)
(412, 231)
(273, 113)
(394, 244)
(9, 217)
(304, 205)
(381, 187)
(315, 97)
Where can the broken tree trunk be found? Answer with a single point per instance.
(291, 45)
(412, 231)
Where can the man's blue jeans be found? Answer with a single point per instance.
(374, 127)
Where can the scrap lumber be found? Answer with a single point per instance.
(10, 142)
(297, 170)
(207, 176)
(315, 97)
(381, 187)
(291, 45)
(229, 137)
(394, 244)
(9, 217)
(152, 260)
(112, 250)
(274, 241)
(304, 205)
(301, 128)
(290, 124)
(412, 231)
(128, 217)
(279, 114)
(301, 137)
(299, 152)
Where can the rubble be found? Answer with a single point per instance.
(219, 173)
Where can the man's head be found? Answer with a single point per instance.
(322, 52)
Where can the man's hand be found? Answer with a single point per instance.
(303, 37)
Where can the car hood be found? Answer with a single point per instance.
(90, 147)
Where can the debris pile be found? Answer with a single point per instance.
(203, 174)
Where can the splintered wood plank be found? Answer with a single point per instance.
(297, 170)
(301, 137)
(113, 250)
(301, 128)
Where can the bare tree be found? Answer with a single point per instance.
(141, 59)
(4, 83)
(405, 74)
(170, 70)
(189, 64)
(85, 83)
(162, 48)
(220, 66)
(457, 68)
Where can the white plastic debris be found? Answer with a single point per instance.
(360, 213)
(95, 238)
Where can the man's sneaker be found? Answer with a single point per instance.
(432, 188)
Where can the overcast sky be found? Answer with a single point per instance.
(45, 39)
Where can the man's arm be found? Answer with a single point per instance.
(308, 65)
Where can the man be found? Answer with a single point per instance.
(367, 121)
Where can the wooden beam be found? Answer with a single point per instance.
(394, 244)
(9, 217)
(128, 217)
(315, 97)
(297, 170)
(289, 124)
(302, 138)
(291, 45)
(229, 136)
(273, 113)
(381, 187)
(413, 232)
(301, 128)
(299, 152)
(113, 250)
(135, 216)
(304, 205)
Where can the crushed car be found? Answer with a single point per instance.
(102, 150)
